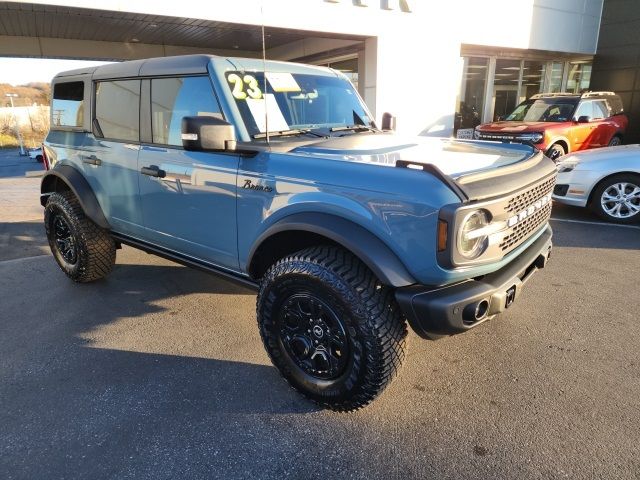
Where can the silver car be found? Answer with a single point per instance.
(606, 180)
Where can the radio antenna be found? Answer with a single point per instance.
(264, 76)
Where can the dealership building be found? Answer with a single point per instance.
(437, 66)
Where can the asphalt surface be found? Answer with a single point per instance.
(158, 372)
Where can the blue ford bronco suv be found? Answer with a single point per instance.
(275, 175)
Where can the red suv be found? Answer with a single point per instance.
(559, 123)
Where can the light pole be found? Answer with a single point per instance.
(15, 119)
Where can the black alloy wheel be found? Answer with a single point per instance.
(313, 336)
(65, 242)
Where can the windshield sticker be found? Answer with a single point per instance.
(257, 109)
(244, 86)
(282, 82)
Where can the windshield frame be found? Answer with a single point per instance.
(219, 68)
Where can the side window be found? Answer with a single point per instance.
(67, 109)
(118, 109)
(600, 109)
(584, 109)
(174, 98)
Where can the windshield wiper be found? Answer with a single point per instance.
(353, 128)
(285, 133)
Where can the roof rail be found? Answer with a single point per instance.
(558, 94)
(596, 94)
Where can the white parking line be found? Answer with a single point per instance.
(602, 224)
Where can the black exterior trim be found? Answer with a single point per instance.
(185, 260)
(362, 243)
(80, 188)
(433, 313)
(436, 172)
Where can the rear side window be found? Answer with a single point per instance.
(615, 104)
(600, 109)
(584, 110)
(174, 98)
(68, 104)
(118, 109)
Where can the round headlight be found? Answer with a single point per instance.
(473, 238)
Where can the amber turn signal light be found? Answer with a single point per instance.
(443, 229)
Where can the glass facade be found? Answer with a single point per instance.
(471, 101)
(492, 87)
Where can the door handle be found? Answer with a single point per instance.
(91, 160)
(153, 171)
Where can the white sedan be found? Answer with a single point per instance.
(36, 154)
(606, 180)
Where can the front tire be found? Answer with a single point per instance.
(84, 251)
(334, 332)
(556, 151)
(617, 198)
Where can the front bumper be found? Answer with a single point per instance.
(460, 307)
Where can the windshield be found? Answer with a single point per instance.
(295, 101)
(543, 110)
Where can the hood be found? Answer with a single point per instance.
(452, 157)
(517, 127)
(629, 153)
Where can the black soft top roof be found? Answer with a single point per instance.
(183, 64)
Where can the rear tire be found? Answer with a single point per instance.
(615, 141)
(556, 151)
(617, 198)
(84, 251)
(334, 332)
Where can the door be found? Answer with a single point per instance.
(582, 134)
(505, 101)
(605, 129)
(110, 156)
(188, 198)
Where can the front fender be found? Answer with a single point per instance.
(75, 182)
(361, 242)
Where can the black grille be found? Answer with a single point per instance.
(523, 200)
(526, 227)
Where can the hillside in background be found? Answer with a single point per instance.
(28, 94)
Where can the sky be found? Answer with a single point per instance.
(18, 71)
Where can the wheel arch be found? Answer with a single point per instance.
(301, 230)
(562, 141)
(599, 182)
(65, 178)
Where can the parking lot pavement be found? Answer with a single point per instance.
(21, 230)
(158, 372)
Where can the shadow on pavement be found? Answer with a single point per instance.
(70, 406)
(582, 235)
(22, 239)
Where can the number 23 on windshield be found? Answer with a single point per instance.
(244, 86)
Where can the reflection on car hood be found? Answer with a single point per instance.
(517, 127)
(622, 152)
(452, 157)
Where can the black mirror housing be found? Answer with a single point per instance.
(207, 134)
(388, 121)
(584, 119)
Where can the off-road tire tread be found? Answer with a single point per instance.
(96, 248)
(376, 311)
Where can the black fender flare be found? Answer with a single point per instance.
(80, 188)
(380, 259)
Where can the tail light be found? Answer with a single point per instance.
(45, 160)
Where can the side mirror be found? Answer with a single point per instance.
(388, 121)
(584, 119)
(202, 134)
